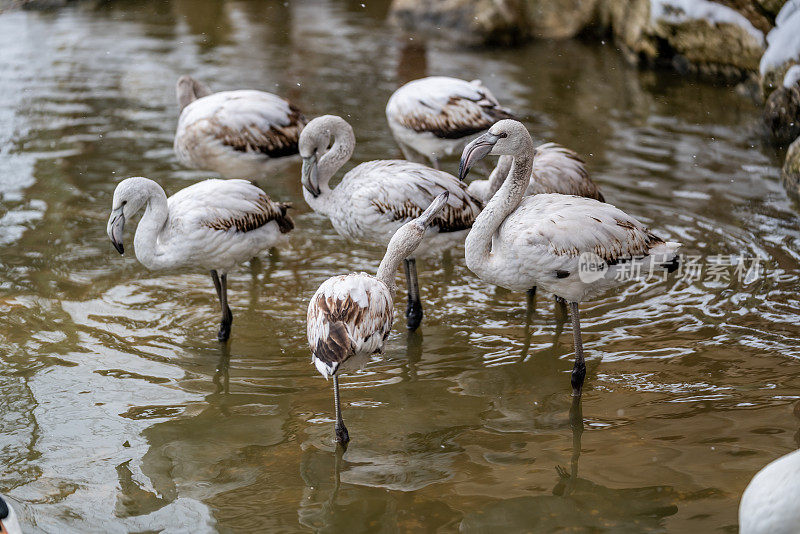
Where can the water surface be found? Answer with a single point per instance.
(120, 412)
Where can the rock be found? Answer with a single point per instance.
(790, 174)
(629, 21)
(713, 38)
(560, 19)
(783, 47)
(782, 110)
(691, 35)
(474, 22)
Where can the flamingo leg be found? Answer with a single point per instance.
(340, 431)
(414, 308)
(435, 163)
(579, 369)
(531, 301)
(221, 285)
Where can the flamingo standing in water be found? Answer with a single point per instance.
(556, 169)
(350, 316)
(435, 117)
(238, 134)
(213, 224)
(375, 198)
(548, 240)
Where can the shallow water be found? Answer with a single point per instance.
(120, 412)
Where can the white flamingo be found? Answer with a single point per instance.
(770, 502)
(235, 133)
(9, 524)
(575, 247)
(213, 224)
(436, 116)
(350, 316)
(556, 169)
(375, 198)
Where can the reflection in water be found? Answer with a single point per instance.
(119, 413)
(577, 502)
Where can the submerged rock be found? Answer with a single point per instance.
(472, 22)
(783, 48)
(782, 110)
(790, 174)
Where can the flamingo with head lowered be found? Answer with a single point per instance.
(350, 316)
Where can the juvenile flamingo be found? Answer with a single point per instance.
(574, 247)
(435, 117)
(350, 316)
(213, 224)
(237, 134)
(375, 198)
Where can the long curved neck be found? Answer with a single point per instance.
(189, 92)
(344, 142)
(387, 270)
(499, 175)
(478, 245)
(151, 227)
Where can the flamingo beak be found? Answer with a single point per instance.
(475, 151)
(116, 225)
(433, 210)
(310, 175)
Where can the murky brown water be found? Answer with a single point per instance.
(120, 412)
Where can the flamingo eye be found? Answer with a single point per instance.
(502, 135)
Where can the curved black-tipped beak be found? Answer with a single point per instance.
(475, 151)
(309, 176)
(116, 225)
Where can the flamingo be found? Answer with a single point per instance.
(577, 248)
(234, 133)
(350, 316)
(375, 198)
(214, 224)
(769, 504)
(556, 169)
(436, 116)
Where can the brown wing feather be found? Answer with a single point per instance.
(276, 142)
(266, 211)
(448, 220)
(336, 347)
(459, 118)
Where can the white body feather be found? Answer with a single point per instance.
(771, 502)
(437, 116)
(209, 127)
(368, 320)
(365, 205)
(547, 233)
(188, 237)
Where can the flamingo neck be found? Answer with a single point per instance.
(499, 175)
(150, 234)
(344, 143)
(478, 245)
(387, 270)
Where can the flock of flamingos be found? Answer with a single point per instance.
(533, 224)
